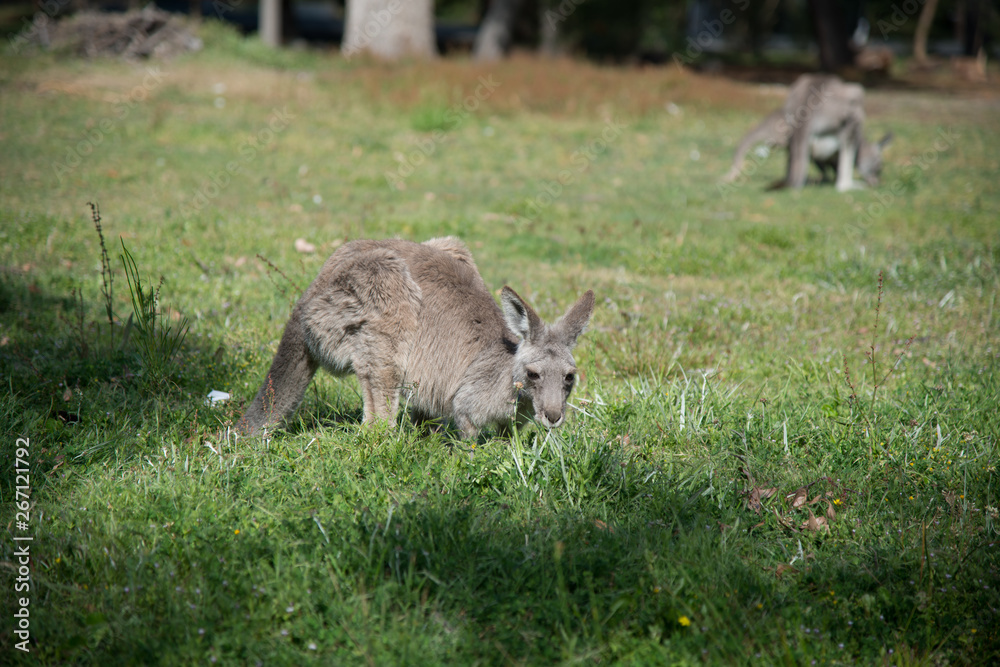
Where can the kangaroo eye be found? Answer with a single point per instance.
(570, 378)
(533, 375)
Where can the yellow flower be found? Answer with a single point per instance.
(684, 620)
(236, 532)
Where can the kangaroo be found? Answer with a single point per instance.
(822, 120)
(416, 320)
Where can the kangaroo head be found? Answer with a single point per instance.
(870, 159)
(543, 364)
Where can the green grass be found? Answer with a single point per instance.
(713, 374)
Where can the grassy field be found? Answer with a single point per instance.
(784, 442)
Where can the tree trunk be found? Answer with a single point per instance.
(494, 34)
(390, 29)
(833, 38)
(270, 22)
(922, 30)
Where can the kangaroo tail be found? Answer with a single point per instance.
(285, 385)
(768, 132)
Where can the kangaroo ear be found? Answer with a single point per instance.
(574, 322)
(884, 141)
(520, 317)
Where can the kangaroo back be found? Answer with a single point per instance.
(417, 321)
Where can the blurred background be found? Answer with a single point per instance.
(743, 38)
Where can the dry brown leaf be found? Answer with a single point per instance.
(303, 246)
(753, 500)
(798, 497)
(782, 568)
(68, 395)
(831, 514)
(756, 494)
(815, 523)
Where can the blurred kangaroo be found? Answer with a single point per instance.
(822, 120)
(416, 320)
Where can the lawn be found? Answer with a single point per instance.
(783, 443)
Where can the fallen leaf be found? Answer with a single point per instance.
(756, 494)
(798, 497)
(831, 514)
(815, 523)
(781, 568)
(304, 246)
(68, 395)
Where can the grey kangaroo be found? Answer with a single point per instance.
(416, 320)
(822, 120)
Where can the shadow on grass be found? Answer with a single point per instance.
(73, 392)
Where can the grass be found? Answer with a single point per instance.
(724, 492)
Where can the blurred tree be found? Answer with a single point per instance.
(276, 23)
(922, 31)
(389, 29)
(832, 34)
(495, 32)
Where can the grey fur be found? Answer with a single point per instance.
(822, 120)
(416, 320)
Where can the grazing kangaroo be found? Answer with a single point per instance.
(416, 320)
(822, 120)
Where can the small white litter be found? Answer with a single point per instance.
(216, 396)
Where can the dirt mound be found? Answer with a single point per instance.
(133, 35)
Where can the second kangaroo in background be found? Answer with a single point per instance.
(822, 120)
(415, 320)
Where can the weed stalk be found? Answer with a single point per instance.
(107, 276)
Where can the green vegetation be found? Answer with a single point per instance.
(785, 446)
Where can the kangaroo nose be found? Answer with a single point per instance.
(553, 417)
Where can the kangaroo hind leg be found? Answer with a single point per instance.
(370, 317)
